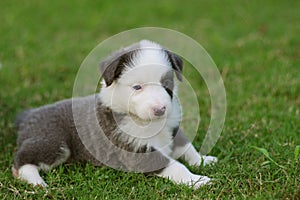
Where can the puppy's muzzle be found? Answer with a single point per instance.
(159, 111)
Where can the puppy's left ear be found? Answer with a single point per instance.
(112, 67)
(176, 63)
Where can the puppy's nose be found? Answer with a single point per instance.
(159, 111)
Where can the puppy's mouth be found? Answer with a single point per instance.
(146, 121)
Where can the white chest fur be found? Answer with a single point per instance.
(157, 134)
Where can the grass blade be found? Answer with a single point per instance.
(267, 155)
(296, 153)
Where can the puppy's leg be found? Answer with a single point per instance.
(178, 173)
(38, 153)
(184, 149)
(30, 174)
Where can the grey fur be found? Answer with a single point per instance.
(44, 131)
(167, 82)
(179, 138)
(21, 116)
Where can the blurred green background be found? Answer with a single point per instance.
(255, 45)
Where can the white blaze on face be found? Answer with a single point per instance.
(147, 101)
(151, 102)
(147, 98)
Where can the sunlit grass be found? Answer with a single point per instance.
(255, 45)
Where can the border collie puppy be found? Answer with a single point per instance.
(132, 124)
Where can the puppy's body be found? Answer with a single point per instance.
(136, 112)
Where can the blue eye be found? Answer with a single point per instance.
(137, 87)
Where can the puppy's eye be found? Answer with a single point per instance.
(137, 87)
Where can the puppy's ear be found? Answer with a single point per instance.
(112, 67)
(176, 63)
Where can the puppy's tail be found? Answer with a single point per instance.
(21, 116)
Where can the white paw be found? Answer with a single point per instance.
(209, 160)
(39, 182)
(179, 174)
(197, 181)
(30, 174)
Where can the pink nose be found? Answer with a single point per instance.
(159, 111)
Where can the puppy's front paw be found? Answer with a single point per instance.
(197, 181)
(39, 183)
(179, 174)
(209, 160)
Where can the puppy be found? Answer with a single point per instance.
(132, 124)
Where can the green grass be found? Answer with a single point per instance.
(255, 45)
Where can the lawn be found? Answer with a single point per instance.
(255, 44)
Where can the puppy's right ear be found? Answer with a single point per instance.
(176, 63)
(112, 67)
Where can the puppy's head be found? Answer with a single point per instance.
(139, 80)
